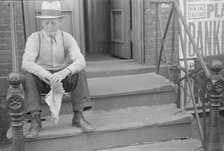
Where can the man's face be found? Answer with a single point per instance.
(51, 26)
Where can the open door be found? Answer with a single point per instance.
(73, 22)
(120, 15)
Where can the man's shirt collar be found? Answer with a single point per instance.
(56, 38)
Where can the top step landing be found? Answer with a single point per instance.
(116, 68)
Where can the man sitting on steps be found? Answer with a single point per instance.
(46, 66)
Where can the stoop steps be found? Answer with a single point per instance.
(135, 110)
(115, 128)
(173, 145)
(118, 92)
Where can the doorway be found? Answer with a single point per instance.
(108, 28)
(103, 29)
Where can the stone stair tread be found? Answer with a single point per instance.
(115, 120)
(113, 65)
(129, 84)
(116, 68)
(172, 145)
(121, 85)
(124, 91)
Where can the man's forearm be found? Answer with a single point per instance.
(35, 69)
(77, 65)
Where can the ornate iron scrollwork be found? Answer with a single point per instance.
(219, 86)
(214, 90)
(209, 85)
(16, 106)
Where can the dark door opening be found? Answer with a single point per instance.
(107, 24)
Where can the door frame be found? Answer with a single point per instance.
(137, 33)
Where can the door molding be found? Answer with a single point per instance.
(90, 26)
(138, 31)
(113, 37)
(120, 15)
(28, 16)
(79, 24)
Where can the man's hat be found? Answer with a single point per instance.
(50, 10)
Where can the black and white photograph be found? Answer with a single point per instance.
(111, 75)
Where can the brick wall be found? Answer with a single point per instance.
(150, 32)
(5, 36)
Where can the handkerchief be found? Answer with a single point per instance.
(53, 99)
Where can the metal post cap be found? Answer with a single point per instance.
(216, 66)
(14, 78)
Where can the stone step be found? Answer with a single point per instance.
(172, 145)
(100, 69)
(125, 91)
(116, 68)
(115, 128)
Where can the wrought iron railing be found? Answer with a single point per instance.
(208, 76)
(14, 102)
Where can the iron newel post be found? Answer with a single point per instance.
(16, 107)
(214, 87)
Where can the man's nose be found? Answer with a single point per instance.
(50, 24)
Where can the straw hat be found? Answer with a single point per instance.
(50, 10)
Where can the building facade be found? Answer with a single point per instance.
(123, 28)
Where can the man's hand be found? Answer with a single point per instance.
(47, 78)
(57, 77)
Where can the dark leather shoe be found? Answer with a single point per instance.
(79, 121)
(35, 126)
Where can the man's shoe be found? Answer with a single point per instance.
(35, 126)
(79, 121)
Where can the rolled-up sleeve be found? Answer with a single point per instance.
(30, 55)
(78, 60)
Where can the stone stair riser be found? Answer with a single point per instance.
(109, 139)
(119, 102)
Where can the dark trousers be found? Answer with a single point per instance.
(76, 84)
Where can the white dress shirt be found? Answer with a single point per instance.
(47, 54)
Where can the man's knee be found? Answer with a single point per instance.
(28, 75)
(82, 73)
(79, 75)
(29, 80)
